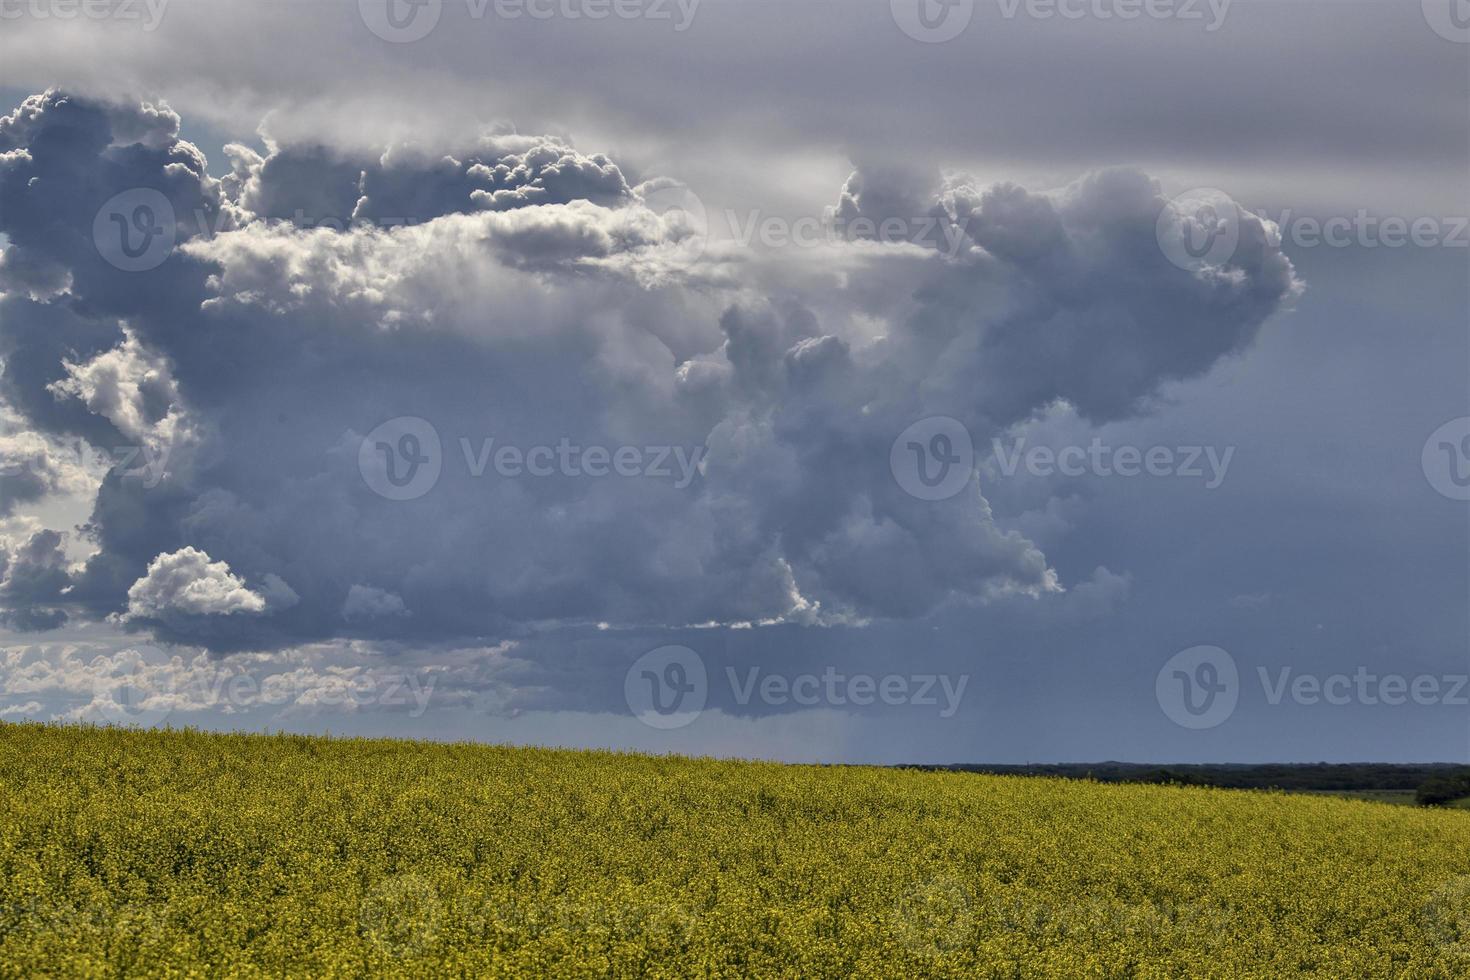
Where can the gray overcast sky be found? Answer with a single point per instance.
(786, 257)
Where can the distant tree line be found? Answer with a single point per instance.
(1434, 784)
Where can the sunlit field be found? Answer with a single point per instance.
(181, 853)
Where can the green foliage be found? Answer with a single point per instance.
(191, 854)
(1444, 789)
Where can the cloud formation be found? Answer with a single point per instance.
(519, 295)
(188, 583)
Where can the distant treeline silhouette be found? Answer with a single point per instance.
(1433, 783)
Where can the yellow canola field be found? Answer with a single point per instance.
(193, 854)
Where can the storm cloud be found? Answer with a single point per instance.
(520, 295)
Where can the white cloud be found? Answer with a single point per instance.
(31, 709)
(129, 385)
(188, 582)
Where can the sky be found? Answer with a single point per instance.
(871, 381)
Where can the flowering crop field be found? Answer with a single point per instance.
(192, 854)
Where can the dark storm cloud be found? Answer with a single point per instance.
(32, 579)
(538, 300)
(1091, 287)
